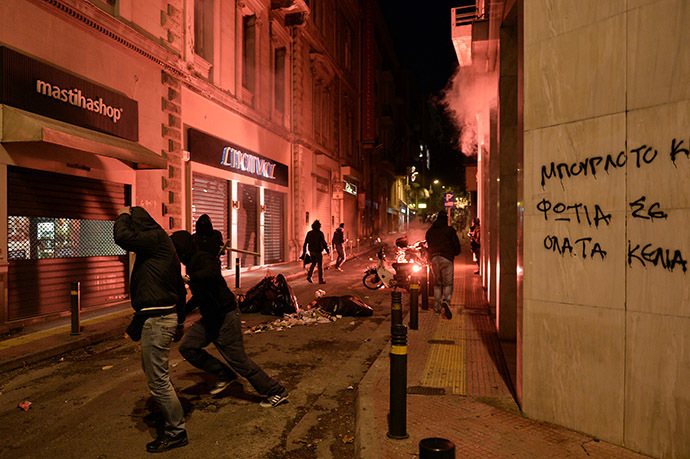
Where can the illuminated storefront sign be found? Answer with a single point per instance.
(221, 154)
(350, 188)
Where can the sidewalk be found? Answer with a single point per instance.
(459, 388)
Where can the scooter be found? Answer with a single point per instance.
(380, 275)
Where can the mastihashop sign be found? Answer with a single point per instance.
(39, 88)
(221, 154)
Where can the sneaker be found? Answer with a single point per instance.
(446, 310)
(221, 385)
(275, 400)
(339, 269)
(167, 442)
(309, 279)
(322, 282)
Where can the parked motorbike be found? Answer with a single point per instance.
(398, 274)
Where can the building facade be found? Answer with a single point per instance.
(250, 111)
(583, 179)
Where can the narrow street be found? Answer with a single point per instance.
(94, 402)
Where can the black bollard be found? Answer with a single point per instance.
(396, 308)
(436, 448)
(237, 272)
(425, 288)
(75, 295)
(397, 423)
(414, 304)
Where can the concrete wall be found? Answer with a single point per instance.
(606, 320)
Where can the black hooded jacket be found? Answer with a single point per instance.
(315, 241)
(156, 286)
(210, 292)
(208, 240)
(442, 239)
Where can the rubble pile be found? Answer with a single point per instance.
(301, 317)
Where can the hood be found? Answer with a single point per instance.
(441, 220)
(316, 225)
(184, 245)
(204, 225)
(142, 221)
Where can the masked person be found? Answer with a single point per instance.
(443, 245)
(219, 324)
(157, 294)
(315, 242)
(206, 238)
(338, 242)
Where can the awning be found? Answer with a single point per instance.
(22, 126)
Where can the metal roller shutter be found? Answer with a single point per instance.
(60, 230)
(322, 206)
(248, 222)
(274, 227)
(210, 197)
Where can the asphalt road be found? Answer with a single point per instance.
(93, 403)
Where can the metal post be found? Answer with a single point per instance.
(75, 295)
(397, 424)
(425, 288)
(237, 272)
(414, 304)
(396, 308)
(436, 448)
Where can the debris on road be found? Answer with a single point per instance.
(301, 317)
(107, 367)
(347, 439)
(320, 293)
(346, 305)
(25, 405)
(271, 296)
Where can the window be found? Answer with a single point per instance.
(203, 29)
(279, 76)
(249, 52)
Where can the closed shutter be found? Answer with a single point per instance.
(247, 222)
(322, 206)
(59, 231)
(350, 217)
(274, 227)
(210, 197)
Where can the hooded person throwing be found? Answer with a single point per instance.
(219, 324)
(206, 238)
(158, 297)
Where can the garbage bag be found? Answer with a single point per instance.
(346, 305)
(271, 296)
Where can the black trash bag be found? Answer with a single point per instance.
(280, 299)
(346, 305)
(272, 296)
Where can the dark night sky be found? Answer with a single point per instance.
(421, 31)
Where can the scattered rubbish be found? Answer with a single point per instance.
(367, 340)
(353, 322)
(320, 293)
(301, 317)
(62, 359)
(350, 387)
(107, 367)
(25, 405)
(300, 440)
(347, 439)
(271, 296)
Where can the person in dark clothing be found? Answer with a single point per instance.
(220, 324)
(157, 294)
(315, 242)
(475, 240)
(443, 245)
(208, 240)
(338, 242)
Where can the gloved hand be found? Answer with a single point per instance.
(179, 333)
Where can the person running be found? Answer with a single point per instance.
(315, 242)
(158, 295)
(338, 242)
(443, 245)
(220, 324)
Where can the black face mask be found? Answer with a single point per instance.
(184, 245)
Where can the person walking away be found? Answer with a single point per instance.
(208, 240)
(443, 245)
(475, 241)
(158, 296)
(220, 324)
(315, 242)
(338, 242)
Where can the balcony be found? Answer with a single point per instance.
(470, 33)
(292, 12)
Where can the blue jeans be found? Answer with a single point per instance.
(156, 337)
(340, 250)
(443, 275)
(228, 341)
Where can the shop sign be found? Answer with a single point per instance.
(218, 153)
(350, 188)
(39, 88)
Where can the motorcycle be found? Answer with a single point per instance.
(398, 275)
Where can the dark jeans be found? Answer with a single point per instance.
(229, 343)
(316, 260)
(341, 255)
